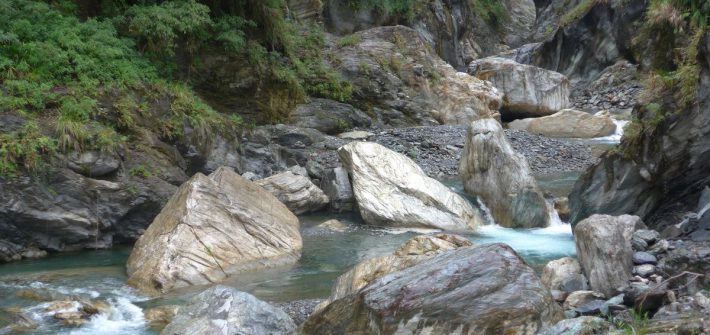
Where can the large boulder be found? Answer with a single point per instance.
(475, 290)
(568, 123)
(224, 310)
(403, 83)
(528, 90)
(604, 250)
(392, 190)
(297, 192)
(564, 274)
(408, 254)
(213, 226)
(501, 178)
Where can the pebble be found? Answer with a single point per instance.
(299, 310)
(644, 270)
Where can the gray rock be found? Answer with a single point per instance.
(93, 163)
(645, 270)
(314, 169)
(660, 247)
(224, 310)
(604, 250)
(649, 236)
(583, 325)
(501, 178)
(641, 257)
(336, 185)
(638, 244)
(486, 289)
(580, 298)
(328, 116)
(564, 274)
(392, 191)
(408, 254)
(68, 211)
(611, 304)
(593, 307)
(297, 192)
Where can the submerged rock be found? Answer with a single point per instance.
(528, 90)
(211, 228)
(475, 290)
(568, 123)
(391, 190)
(604, 250)
(492, 170)
(224, 310)
(295, 191)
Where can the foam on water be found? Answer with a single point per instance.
(123, 318)
(616, 137)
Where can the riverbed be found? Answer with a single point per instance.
(26, 286)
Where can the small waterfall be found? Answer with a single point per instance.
(616, 137)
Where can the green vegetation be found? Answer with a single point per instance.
(492, 11)
(349, 40)
(577, 12)
(670, 36)
(636, 326)
(93, 83)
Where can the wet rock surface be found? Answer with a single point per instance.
(437, 295)
(224, 310)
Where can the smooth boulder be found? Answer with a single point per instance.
(564, 274)
(527, 90)
(391, 190)
(501, 177)
(213, 226)
(224, 310)
(568, 123)
(408, 254)
(474, 290)
(604, 250)
(295, 191)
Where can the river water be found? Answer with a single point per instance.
(100, 275)
(26, 286)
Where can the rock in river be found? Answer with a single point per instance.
(604, 250)
(295, 191)
(472, 290)
(408, 254)
(224, 310)
(492, 170)
(211, 228)
(391, 190)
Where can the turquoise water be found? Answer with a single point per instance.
(100, 275)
